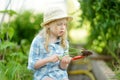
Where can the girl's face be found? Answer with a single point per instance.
(58, 27)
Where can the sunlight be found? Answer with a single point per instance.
(36, 5)
(79, 35)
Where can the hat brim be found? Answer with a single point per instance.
(57, 18)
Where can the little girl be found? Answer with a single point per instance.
(49, 45)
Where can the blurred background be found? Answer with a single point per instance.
(95, 27)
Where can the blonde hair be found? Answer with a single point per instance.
(46, 34)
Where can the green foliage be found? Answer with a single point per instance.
(13, 71)
(117, 76)
(10, 12)
(13, 62)
(74, 52)
(117, 71)
(25, 26)
(104, 18)
(15, 39)
(9, 31)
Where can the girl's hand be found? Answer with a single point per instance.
(65, 62)
(53, 58)
(66, 59)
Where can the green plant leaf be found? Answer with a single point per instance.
(6, 44)
(10, 12)
(10, 32)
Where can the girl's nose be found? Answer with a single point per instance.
(63, 27)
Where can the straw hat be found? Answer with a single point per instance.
(52, 14)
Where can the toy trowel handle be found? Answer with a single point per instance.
(85, 53)
(77, 57)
